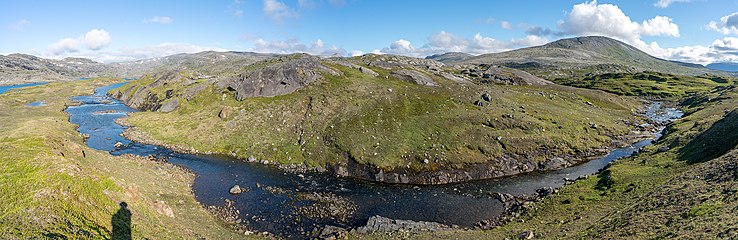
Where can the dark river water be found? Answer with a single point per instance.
(462, 204)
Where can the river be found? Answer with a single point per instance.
(274, 203)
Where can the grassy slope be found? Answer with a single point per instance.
(50, 188)
(677, 193)
(400, 127)
(651, 84)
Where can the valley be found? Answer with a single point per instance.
(372, 146)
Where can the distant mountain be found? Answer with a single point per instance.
(207, 61)
(726, 66)
(586, 55)
(23, 68)
(450, 57)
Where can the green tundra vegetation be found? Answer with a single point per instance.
(389, 123)
(54, 186)
(649, 84)
(683, 186)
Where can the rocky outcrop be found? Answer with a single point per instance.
(287, 75)
(415, 77)
(143, 99)
(364, 70)
(280, 78)
(390, 62)
(485, 73)
(382, 224)
(169, 106)
(192, 91)
(225, 112)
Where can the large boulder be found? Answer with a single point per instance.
(194, 90)
(225, 112)
(414, 76)
(169, 106)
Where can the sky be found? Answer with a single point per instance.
(695, 31)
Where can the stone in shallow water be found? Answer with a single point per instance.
(235, 190)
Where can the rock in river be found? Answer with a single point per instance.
(235, 190)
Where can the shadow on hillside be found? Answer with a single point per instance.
(121, 222)
(716, 141)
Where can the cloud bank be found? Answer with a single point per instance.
(94, 40)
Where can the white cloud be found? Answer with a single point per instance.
(337, 3)
(666, 3)
(721, 50)
(306, 3)
(158, 19)
(660, 26)
(727, 25)
(727, 43)
(235, 8)
(355, 53)
(447, 42)
(590, 18)
(506, 25)
(401, 46)
(94, 40)
(65, 45)
(19, 25)
(318, 47)
(277, 10)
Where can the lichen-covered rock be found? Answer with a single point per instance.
(414, 76)
(169, 106)
(144, 99)
(225, 113)
(192, 91)
(383, 224)
(368, 71)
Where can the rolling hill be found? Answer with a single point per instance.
(576, 57)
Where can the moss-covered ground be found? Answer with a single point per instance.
(53, 186)
(649, 84)
(688, 191)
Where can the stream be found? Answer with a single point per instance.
(276, 202)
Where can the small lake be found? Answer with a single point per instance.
(4, 89)
(274, 204)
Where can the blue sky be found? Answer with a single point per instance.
(699, 31)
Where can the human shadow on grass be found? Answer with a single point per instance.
(121, 222)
